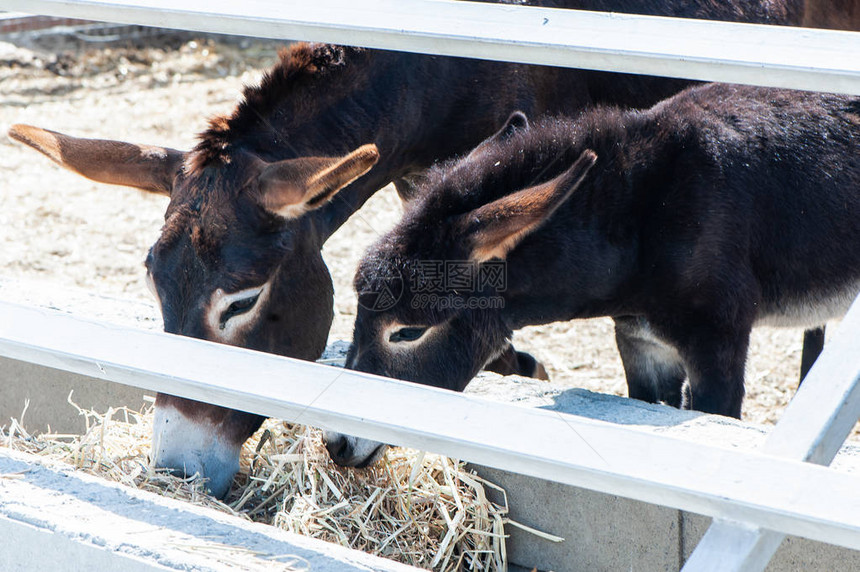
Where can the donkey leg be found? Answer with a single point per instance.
(715, 360)
(813, 344)
(512, 362)
(654, 370)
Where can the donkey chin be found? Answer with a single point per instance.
(192, 449)
(349, 451)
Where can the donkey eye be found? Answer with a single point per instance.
(406, 335)
(238, 307)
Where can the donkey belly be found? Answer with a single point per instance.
(808, 310)
(808, 268)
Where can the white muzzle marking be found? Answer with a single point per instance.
(194, 447)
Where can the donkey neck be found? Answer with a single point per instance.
(594, 237)
(417, 109)
(583, 278)
(322, 100)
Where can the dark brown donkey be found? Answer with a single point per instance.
(239, 259)
(834, 14)
(719, 209)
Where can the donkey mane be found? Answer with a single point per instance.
(299, 65)
(533, 156)
(527, 157)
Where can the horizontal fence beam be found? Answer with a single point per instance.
(787, 496)
(818, 60)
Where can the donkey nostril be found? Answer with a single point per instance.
(343, 450)
(334, 443)
(339, 448)
(185, 471)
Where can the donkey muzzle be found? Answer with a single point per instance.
(349, 451)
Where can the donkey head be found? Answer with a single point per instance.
(466, 221)
(238, 262)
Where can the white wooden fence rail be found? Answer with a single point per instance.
(798, 58)
(710, 480)
(752, 510)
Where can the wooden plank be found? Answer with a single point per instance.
(600, 456)
(813, 428)
(820, 60)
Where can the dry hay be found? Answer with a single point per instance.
(418, 508)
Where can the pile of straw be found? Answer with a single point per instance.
(418, 508)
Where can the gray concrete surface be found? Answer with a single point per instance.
(601, 532)
(46, 393)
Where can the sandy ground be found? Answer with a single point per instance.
(58, 227)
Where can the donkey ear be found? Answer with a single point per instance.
(142, 166)
(516, 122)
(293, 187)
(497, 227)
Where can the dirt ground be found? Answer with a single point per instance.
(58, 227)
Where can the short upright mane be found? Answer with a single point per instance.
(298, 64)
(525, 158)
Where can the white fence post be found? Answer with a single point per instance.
(812, 428)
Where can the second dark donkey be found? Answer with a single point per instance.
(721, 208)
